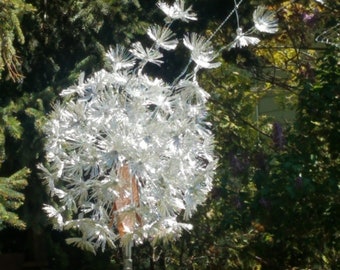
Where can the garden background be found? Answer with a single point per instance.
(274, 109)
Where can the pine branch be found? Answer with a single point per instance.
(11, 198)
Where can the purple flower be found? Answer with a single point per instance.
(238, 164)
(310, 18)
(307, 17)
(277, 136)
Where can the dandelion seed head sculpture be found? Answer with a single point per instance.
(265, 20)
(177, 11)
(129, 157)
(128, 153)
(243, 40)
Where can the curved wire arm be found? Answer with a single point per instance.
(331, 36)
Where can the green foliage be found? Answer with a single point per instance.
(61, 40)
(275, 202)
(10, 31)
(11, 199)
(273, 206)
(299, 187)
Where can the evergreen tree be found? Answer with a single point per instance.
(62, 39)
(10, 65)
(10, 32)
(11, 199)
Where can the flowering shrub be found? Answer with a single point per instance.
(130, 156)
